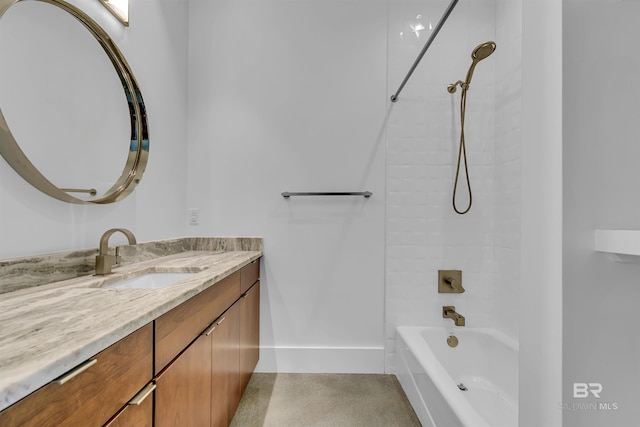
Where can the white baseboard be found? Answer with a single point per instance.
(352, 360)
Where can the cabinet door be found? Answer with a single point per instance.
(183, 392)
(225, 391)
(249, 334)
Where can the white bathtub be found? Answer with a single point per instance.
(485, 361)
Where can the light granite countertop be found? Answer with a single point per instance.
(48, 329)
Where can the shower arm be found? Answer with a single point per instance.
(433, 35)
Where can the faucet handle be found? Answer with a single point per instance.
(450, 282)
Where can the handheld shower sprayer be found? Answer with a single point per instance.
(480, 52)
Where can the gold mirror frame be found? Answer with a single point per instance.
(139, 145)
(121, 15)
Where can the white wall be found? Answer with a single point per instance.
(541, 314)
(155, 46)
(505, 281)
(601, 175)
(424, 234)
(290, 95)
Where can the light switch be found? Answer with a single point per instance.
(194, 216)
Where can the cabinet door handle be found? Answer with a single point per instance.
(210, 329)
(142, 395)
(75, 371)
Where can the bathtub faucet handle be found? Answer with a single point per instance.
(449, 312)
(455, 284)
(450, 282)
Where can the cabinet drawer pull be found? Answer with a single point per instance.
(75, 371)
(210, 329)
(142, 395)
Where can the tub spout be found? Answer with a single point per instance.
(449, 312)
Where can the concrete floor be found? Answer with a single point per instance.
(324, 400)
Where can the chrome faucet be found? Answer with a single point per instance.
(104, 261)
(449, 312)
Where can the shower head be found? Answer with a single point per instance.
(481, 52)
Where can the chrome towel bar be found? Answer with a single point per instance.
(366, 194)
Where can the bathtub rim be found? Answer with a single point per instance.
(412, 337)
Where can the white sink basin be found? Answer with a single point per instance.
(149, 281)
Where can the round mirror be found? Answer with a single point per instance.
(65, 125)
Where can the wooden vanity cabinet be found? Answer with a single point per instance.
(201, 387)
(199, 355)
(183, 360)
(213, 370)
(90, 394)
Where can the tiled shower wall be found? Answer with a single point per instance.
(424, 234)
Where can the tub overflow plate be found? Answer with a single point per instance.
(452, 341)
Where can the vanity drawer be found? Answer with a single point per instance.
(175, 329)
(249, 274)
(95, 393)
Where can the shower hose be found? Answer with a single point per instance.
(462, 153)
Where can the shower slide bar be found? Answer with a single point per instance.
(433, 35)
(366, 194)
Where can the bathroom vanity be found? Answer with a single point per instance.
(99, 350)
